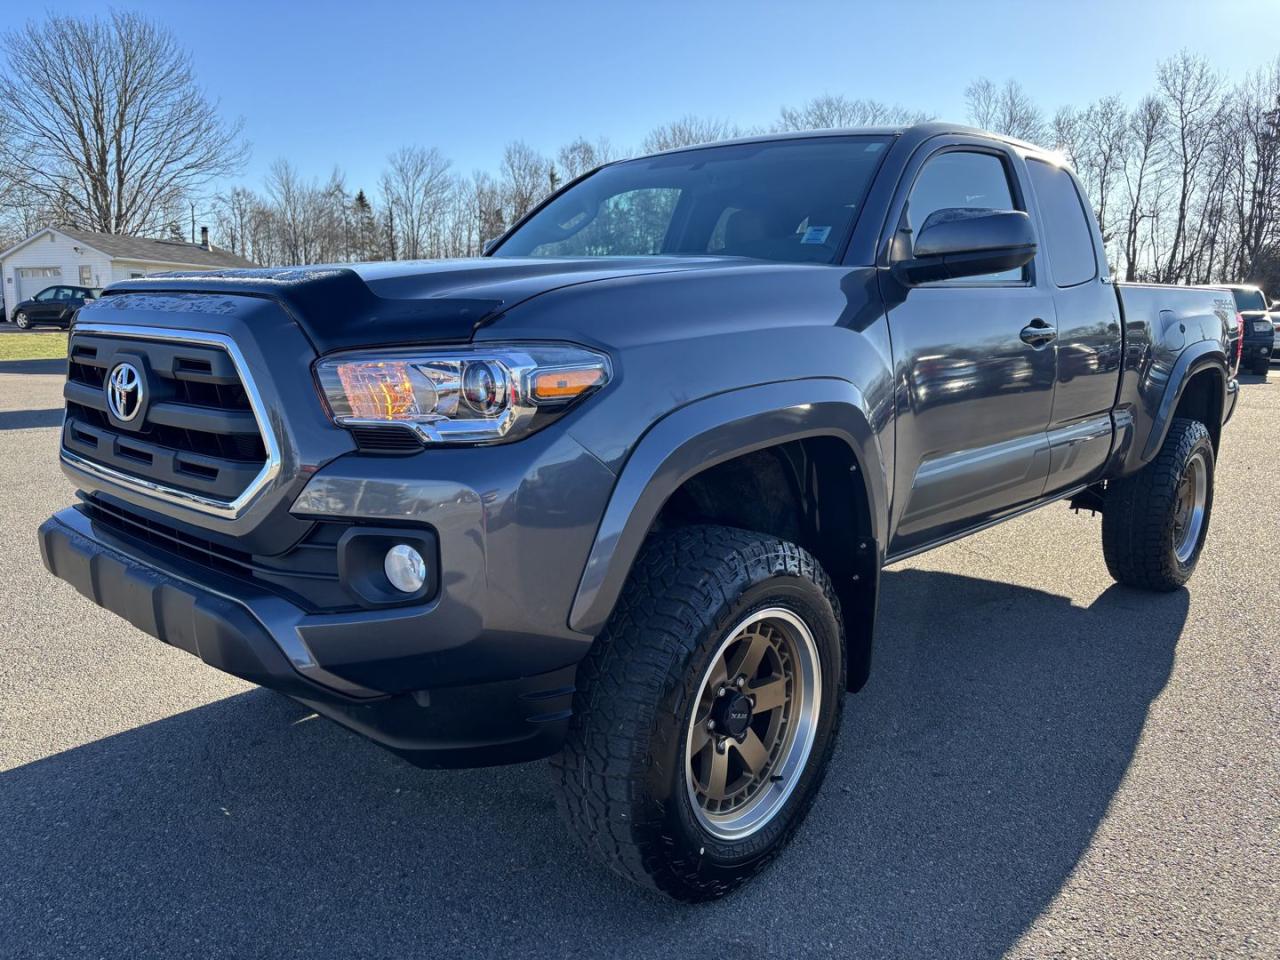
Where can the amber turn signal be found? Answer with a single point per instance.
(565, 384)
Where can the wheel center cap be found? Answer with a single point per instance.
(735, 714)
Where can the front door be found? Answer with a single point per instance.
(45, 306)
(975, 364)
(55, 308)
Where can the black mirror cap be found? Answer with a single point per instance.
(968, 242)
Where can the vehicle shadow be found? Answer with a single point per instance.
(969, 779)
(57, 366)
(27, 419)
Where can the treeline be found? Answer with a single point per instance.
(1185, 180)
(104, 126)
(422, 208)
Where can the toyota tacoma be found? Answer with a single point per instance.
(619, 492)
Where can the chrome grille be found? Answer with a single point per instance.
(199, 436)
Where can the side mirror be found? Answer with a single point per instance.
(488, 245)
(966, 242)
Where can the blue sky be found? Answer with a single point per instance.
(346, 83)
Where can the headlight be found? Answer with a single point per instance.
(460, 395)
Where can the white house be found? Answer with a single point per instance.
(83, 258)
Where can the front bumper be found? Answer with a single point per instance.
(1257, 348)
(259, 637)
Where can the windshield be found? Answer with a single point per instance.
(1247, 300)
(789, 200)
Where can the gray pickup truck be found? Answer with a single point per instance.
(620, 491)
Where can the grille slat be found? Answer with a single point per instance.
(197, 431)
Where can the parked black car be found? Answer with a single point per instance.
(620, 492)
(1259, 328)
(52, 305)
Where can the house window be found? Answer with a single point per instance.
(86, 275)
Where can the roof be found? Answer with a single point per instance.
(922, 131)
(121, 247)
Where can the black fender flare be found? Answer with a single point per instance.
(1196, 358)
(710, 431)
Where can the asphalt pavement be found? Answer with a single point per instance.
(1044, 764)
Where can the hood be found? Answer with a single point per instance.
(386, 304)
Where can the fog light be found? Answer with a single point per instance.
(405, 568)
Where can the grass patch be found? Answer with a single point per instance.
(33, 346)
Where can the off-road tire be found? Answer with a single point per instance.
(1138, 514)
(621, 778)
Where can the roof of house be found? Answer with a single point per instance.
(120, 247)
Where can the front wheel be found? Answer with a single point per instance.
(706, 711)
(1154, 522)
(21, 320)
(1261, 366)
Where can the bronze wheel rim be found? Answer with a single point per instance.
(753, 723)
(1189, 507)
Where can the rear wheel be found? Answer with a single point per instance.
(1154, 523)
(706, 712)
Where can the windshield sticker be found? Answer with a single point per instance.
(816, 235)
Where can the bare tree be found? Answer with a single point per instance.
(292, 208)
(833, 111)
(233, 215)
(526, 179)
(1008, 110)
(1192, 95)
(486, 207)
(108, 122)
(1143, 165)
(1251, 135)
(1066, 133)
(1104, 143)
(581, 155)
(689, 131)
(414, 188)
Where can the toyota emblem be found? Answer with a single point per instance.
(124, 391)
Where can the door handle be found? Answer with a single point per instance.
(1037, 333)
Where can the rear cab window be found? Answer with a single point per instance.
(1249, 300)
(1068, 234)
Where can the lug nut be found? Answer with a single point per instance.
(711, 724)
(741, 682)
(721, 692)
(720, 745)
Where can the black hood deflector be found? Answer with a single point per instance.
(334, 306)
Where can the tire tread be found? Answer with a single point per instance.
(679, 583)
(1137, 512)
